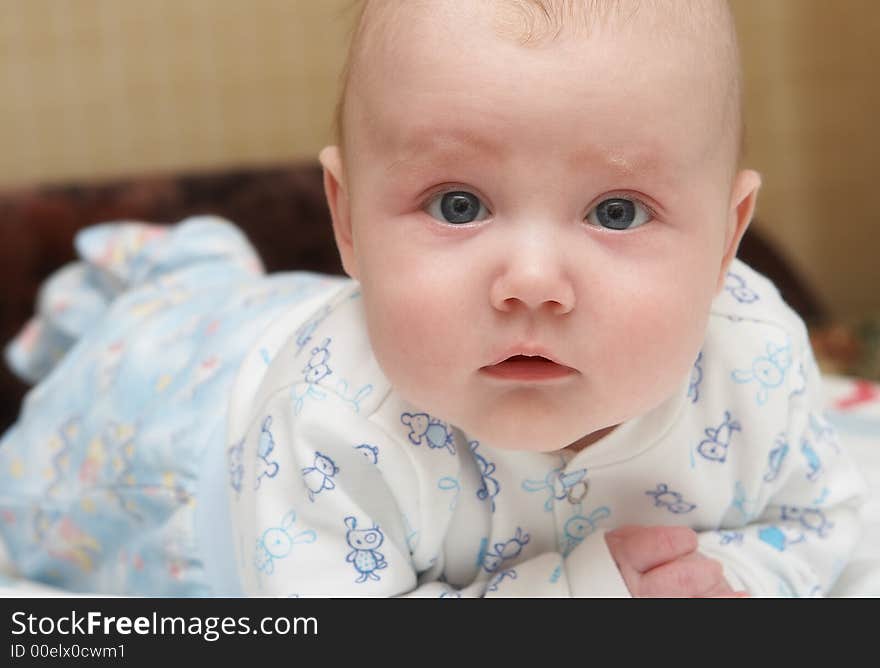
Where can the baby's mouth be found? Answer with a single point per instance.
(528, 368)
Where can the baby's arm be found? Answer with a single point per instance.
(796, 543)
(646, 561)
(793, 539)
(800, 533)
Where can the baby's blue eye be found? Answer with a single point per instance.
(457, 207)
(619, 213)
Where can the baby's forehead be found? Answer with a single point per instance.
(697, 34)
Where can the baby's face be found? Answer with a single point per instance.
(539, 231)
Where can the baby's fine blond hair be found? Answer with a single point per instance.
(533, 23)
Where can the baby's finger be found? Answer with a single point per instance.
(722, 590)
(683, 577)
(644, 548)
(627, 530)
(735, 594)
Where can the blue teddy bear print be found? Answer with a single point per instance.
(365, 555)
(316, 368)
(767, 370)
(268, 467)
(426, 430)
(277, 543)
(319, 476)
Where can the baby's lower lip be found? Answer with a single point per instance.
(522, 368)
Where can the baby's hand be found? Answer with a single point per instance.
(663, 561)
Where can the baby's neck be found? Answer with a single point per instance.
(589, 439)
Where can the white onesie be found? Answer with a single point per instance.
(338, 487)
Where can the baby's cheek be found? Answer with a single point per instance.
(414, 327)
(664, 334)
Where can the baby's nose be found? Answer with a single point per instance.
(533, 285)
(554, 306)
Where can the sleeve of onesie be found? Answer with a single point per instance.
(805, 525)
(327, 503)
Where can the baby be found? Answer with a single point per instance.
(549, 377)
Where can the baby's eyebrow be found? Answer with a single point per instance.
(428, 143)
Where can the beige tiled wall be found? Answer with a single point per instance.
(813, 113)
(97, 88)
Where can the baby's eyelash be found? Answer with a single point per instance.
(622, 195)
(436, 199)
(455, 187)
(451, 188)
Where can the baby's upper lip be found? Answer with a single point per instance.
(527, 350)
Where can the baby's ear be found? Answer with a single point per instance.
(743, 197)
(336, 191)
